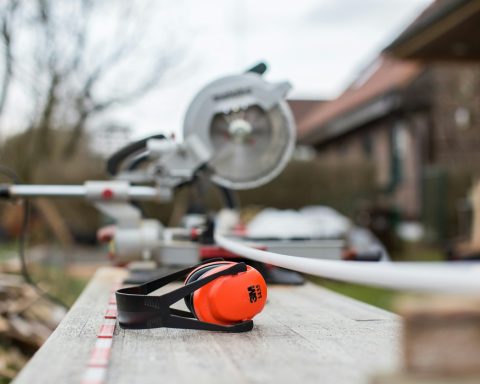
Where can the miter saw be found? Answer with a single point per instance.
(238, 131)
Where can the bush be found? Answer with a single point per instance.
(340, 186)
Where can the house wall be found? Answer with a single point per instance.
(375, 143)
(380, 135)
(456, 114)
(438, 131)
(407, 194)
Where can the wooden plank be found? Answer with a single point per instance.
(62, 359)
(305, 334)
(442, 335)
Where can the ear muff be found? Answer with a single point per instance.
(229, 299)
(196, 274)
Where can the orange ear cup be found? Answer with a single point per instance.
(228, 299)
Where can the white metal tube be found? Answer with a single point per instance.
(23, 190)
(410, 276)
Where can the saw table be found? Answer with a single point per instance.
(305, 334)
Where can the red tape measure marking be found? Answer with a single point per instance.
(113, 299)
(111, 312)
(100, 353)
(97, 365)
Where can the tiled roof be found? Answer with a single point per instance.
(435, 11)
(301, 108)
(384, 75)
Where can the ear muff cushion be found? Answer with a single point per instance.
(230, 299)
(195, 275)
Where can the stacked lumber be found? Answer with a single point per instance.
(26, 321)
(11, 361)
(470, 248)
(441, 341)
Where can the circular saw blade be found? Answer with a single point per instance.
(247, 125)
(247, 157)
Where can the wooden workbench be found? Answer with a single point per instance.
(306, 334)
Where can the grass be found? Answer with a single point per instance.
(380, 297)
(58, 283)
(417, 252)
(7, 251)
(54, 279)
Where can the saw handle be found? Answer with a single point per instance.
(259, 68)
(115, 160)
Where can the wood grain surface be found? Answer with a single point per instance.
(305, 334)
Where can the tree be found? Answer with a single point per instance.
(76, 59)
(7, 14)
(64, 63)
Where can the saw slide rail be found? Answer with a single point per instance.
(409, 276)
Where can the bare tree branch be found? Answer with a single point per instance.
(6, 21)
(99, 106)
(73, 63)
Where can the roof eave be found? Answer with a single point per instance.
(428, 28)
(373, 110)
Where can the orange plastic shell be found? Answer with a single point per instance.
(230, 299)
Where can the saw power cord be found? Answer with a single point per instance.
(22, 241)
(409, 276)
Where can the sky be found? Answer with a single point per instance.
(317, 45)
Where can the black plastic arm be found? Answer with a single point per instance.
(4, 191)
(114, 161)
(259, 68)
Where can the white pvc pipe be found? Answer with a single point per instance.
(411, 276)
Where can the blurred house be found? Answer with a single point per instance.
(301, 108)
(409, 116)
(447, 30)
